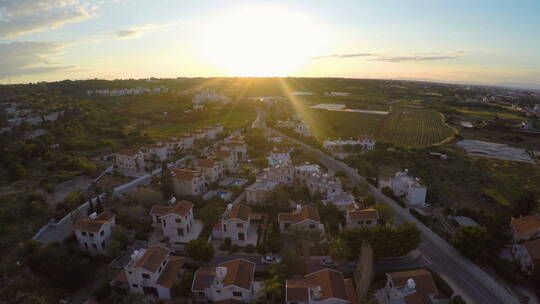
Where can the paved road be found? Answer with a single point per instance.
(467, 279)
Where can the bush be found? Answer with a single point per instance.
(442, 285)
(235, 248)
(388, 192)
(458, 300)
(422, 218)
(249, 249)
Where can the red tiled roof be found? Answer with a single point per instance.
(203, 278)
(121, 277)
(297, 290)
(239, 273)
(308, 213)
(332, 283)
(529, 224)
(185, 174)
(169, 275)
(422, 278)
(181, 208)
(153, 258)
(94, 225)
(533, 247)
(222, 153)
(363, 214)
(240, 211)
(351, 292)
(205, 162)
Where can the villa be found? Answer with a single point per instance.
(235, 225)
(357, 217)
(414, 192)
(259, 191)
(306, 217)
(212, 169)
(229, 160)
(408, 287)
(129, 160)
(321, 287)
(176, 222)
(94, 233)
(188, 182)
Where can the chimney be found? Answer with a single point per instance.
(172, 201)
(316, 293)
(221, 272)
(92, 216)
(298, 208)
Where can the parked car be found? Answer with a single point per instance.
(271, 259)
(327, 262)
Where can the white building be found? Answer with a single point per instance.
(240, 148)
(212, 169)
(95, 232)
(274, 139)
(364, 143)
(210, 97)
(304, 173)
(188, 182)
(235, 225)
(279, 156)
(302, 129)
(305, 217)
(281, 174)
(232, 280)
(325, 286)
(176, 221)
(357, 217)
(410, 187)
(408, 287)
(228, 158)
(527, 254)
(153, 271)
(157, 151)
(129, 160)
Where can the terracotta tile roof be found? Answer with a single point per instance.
(533, 247)
(128, 152)
(331, 281)
(529, 224)
(280, 150)
(185, 174)
(203, 278)
(297, 290)
(121, 277)
(181, 208)
(205, 163)
(414, 298)
(94, 225)
(422, 278)
(153, 258)
(222, 153)
(240, 211)
(308, 213)
(363, 214)
(105, 216)
(239, 273)
(169, 275)
(351, 292)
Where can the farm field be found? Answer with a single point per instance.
(489, 114)
(413, 127)
(230, 120)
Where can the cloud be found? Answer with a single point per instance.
(136, 31)
(412, 58)
(29, 57)
(19, 17)
(426, 56)
(343, 56)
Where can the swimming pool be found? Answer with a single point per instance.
(235, 182)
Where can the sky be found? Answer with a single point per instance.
(483, 41)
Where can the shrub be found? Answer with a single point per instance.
(235, 248)
(458, 300)
(249, 249)
(422, 218)
(388, 192)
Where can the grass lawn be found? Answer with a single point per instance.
(231, 120)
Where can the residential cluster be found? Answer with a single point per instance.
(127, 91)
(526, 239)
(362, 143)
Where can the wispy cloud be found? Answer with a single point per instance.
(343, 56)
(29, 57)
(135, 31)
(19, 17)
(425, 56)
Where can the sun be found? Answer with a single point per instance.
(261, 41)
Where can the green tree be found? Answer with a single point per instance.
(210, 213)
(119, 234)
(181, 290)
(338, 250)
(114, 248)
(386, 212)
(331, 215)
(472, 241)
(200, 250)
(166, 181)
(526, 204)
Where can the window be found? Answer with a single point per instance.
(287, 225)
(164, 223)
(241, 236)
(224, 228)
(103, 245)
(178, 220)
(368, 222)
(135, 285)
(102, 233)
(83, 233)
(94, 246)
(237, 293)
(145, 276)
(239, 225)
(180, 232)
(311, 226)
(160, 268)
(90, 234)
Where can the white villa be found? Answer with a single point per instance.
(157, 151)
(357, 217)
(306, 217)
(321, 287)
(527, 254)
(153, 271)
(414, 286)
(364, 142)
(129, 160)
(229, 160)
(281, 173)
(176, 221)
(232, 280)
(302, 129)
(212, 169)
(240, 148)
(410, 187)
(279, 156)
(95, 232)
(188, 182)
(210, 97)
(235, 225)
